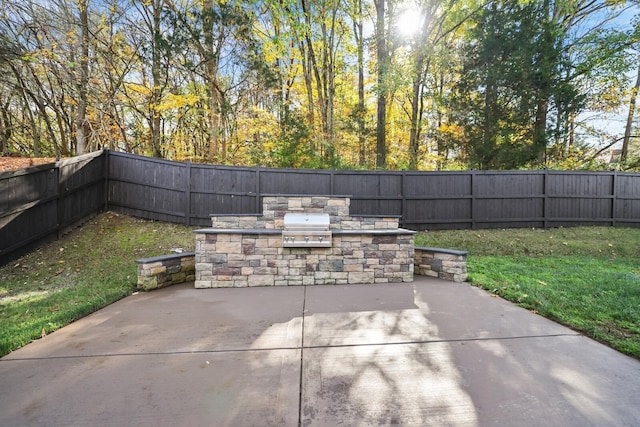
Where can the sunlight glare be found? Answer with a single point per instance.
(409, 22)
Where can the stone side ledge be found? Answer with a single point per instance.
(447, 264)
(166, 270)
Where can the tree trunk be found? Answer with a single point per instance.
(632, 109)
(64, 141)
(330, 72)
(360, 109)
(440, 143)
(210, 53)
(5, 130)
(155, 121)
(484, 157)
(545, 70)
(322, 62)
(422, 63)
(32, 123)
(29, 111)
(572, 131)
(213, 117)
(413, 133)
(314, 69)
(381, 47)
(82, 125)
(416, 95)
(540, 127)
(308, 83)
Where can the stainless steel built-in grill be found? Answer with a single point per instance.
(306, 230)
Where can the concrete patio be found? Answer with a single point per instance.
(424, 353)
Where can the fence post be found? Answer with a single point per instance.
(403, 203)
(545, 200)
(258, 207)
(473, 200)
(614, 195)
(187, 194)
(59, 195)
(331, 186)
(106, 178)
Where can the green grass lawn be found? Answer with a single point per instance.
(587, 278)
(86, 270)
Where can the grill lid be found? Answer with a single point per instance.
(306, 230)
(306, 221)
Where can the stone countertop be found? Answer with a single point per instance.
(444, 251)
(277, 231)
(389, 231)
(238, 231)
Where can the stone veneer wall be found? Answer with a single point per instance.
(166, 270)
(447, 264)
(247, 250)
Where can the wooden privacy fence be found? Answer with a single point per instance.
(42, 202)
(189, 193)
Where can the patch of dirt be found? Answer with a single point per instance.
(618, 331)
(13, 163)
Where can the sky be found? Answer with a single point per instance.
(613, 124)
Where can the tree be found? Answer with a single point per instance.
(492, 101)
(82, 124)
(360, 111)
(439, 20)
(159, 78)
(383, 59)
(526, 61)
(115, 57)
(323, 32)
(45, 74)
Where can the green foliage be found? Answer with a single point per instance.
(528, 72)
(511, 63)
(293, 148)
(595, 242)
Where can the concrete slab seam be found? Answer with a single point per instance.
(301, 348)
(304, 305)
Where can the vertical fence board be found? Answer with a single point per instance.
(148, 188)
(515, 199)
(294, 181)
(580, 198)
(438, 201)
(81, 189)
(221, 190)
(372, 193)
(628, 200)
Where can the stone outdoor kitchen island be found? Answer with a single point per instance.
(249, 250)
